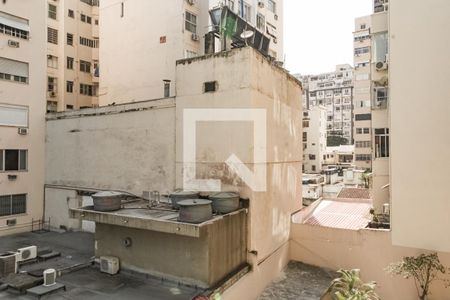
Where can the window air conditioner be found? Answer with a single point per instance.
(52, 94)
(275, 17)
(109, 264)
(26, 253)
(13, 44)
(23, 131)
(195, 37)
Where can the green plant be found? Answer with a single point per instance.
(424, 269)
(350, 287)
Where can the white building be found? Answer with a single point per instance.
(22, 114)
(334, 91)
(72, 54)
(141, 40)
(314, 139)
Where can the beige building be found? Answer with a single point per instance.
(22, 114)
(314, 139)
(371, 100)
(147, 37)
(72, 54)
(334, 91)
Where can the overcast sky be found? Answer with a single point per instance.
(318, 33)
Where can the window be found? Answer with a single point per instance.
(312, 157)
(382, 142)
(363, 157)
(305, 136)
(305, 123)
(88, 20)
(69, 107)
(88, 42)
(52, 11)
(247, 14)
(272, 6)
(363, 144)
(52, 84)
(13, 204)
(69, 86)
(381, 96)
(190, 54)
(362, 130)
(12, 115)
(190, 23)
(85, 66)
(364, 103)
(52, 61)
(71, 14)
(166, 88)
(380, 46)
(13, 160)
(14, 26)
(83, 18)
(362, 50)
(69, 63)
(363, 117)
(210, 86)
(313, 168)
(260, 22)
(52, 106)
(87, 89)
(91, 2)
(70, 39)
(13, 70)
(52, 35)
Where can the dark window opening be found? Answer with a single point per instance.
(210, 86)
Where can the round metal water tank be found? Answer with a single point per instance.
(107, 201)
(195, 211)
(178, 196)
(225, 202)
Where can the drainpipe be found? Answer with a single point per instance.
(242, 9)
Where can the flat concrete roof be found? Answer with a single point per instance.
(300, 282)
(161, 218)
(88, 282)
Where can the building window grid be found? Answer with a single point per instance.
(381, 142)
(52, 11)
(13, 160)
(52, 35)
(85, 66)
(13, 204)
(69, 86)
(15, 32)
(190, 22)
(70, 61)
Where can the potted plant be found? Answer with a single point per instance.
(424, 269)
(350, 287)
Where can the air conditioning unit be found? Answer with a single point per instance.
(109, 264)
(380, 66)
(275, 17)
(23, 131)
(8, 263)
(275, 41)
(261, 4)
(195, 37)
(52, 94)
(49, 277)
(13, 44)
(26, 253)
(190, 2)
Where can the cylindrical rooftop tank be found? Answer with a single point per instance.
(178, 196)
(107, 201)
(195, 211)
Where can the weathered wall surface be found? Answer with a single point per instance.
(220, 250)
(130, 151)
(371, 251)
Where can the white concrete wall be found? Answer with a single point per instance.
(130, 151)
(255, 84)
(31, 95)
(316, 143)
(420, 123)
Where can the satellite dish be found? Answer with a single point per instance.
(247, 34)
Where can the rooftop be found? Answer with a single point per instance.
(300, 282)
(83, 280)
(354, 193)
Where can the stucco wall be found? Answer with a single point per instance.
(130, 151)
(371, 251)
(420, 123)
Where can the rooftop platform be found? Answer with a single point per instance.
(160, 218)
(87, 282)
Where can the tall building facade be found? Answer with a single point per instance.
(334, 91)
(371, 99)
(314, 139)
(149, 36)
(72, 54)
(22, 114)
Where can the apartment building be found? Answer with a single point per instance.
(314, 139)
(334, 91)
(371, 99)
(72, 54)
(149, 36)
(22, 114)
